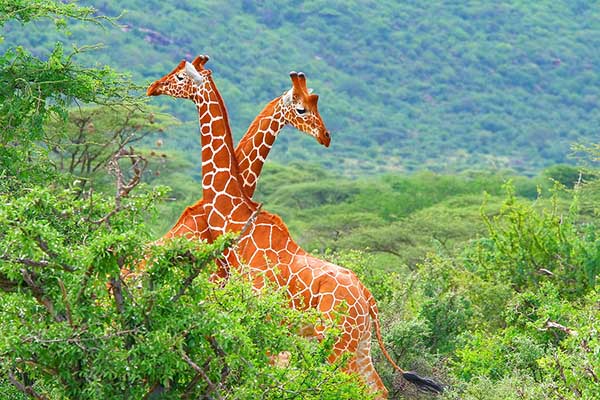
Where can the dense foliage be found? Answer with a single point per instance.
(404, 85)
(511, 315)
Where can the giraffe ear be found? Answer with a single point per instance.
(310, 90)
(288, 96)
(191, 71)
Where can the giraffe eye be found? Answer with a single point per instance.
(179, 77)
(300, 110)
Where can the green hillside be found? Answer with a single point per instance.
(405, 86)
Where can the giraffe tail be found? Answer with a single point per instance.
(424, 384)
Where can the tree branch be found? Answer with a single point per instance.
(117, 291)
(63, 291)
(212, 388)
(6, 284)
(221, 354)
(33, 339)
(190, 279)
(26, 261)
(28, 390)
(36, 263)
(556, 325)
(155, 392)
(138, 165)
(190, 387)
(249, 223)
(46, 249)
(39, 294)
(84, 282)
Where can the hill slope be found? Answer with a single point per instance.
(403, 86)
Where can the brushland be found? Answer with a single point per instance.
(486, 278)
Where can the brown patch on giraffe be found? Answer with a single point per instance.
(214, 110)
(264, 125)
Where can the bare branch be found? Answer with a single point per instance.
(249, 223)
(115, 287)
(544, 271)
(7, 285)
(84, 282)
(556, 325)
(188, 281)
(36, 263)
(590, 370)
(247, 226)
(155, 391)
(34, 363)
(26, 261)
(191, 386)
(138, 165)
(561, 370)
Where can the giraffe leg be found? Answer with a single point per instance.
(365, 367)
(362, 364)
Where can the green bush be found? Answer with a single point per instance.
(528, 246)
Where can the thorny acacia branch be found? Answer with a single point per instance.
(124, 186)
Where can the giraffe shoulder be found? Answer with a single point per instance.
(275, 220)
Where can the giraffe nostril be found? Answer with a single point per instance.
(327, 135)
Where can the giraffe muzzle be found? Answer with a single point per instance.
(153, 89)
(324, 139)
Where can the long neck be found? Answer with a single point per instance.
(253, 149)
(219, 165)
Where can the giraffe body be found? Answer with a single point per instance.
(267, 246)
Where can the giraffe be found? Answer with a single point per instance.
(296, 107)
(267, 247)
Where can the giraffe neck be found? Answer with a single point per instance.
(253, 149)
(219, 165)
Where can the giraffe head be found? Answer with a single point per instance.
(183, 81)
(299, 107)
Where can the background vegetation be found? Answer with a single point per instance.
(441, 85)
(484, 260)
